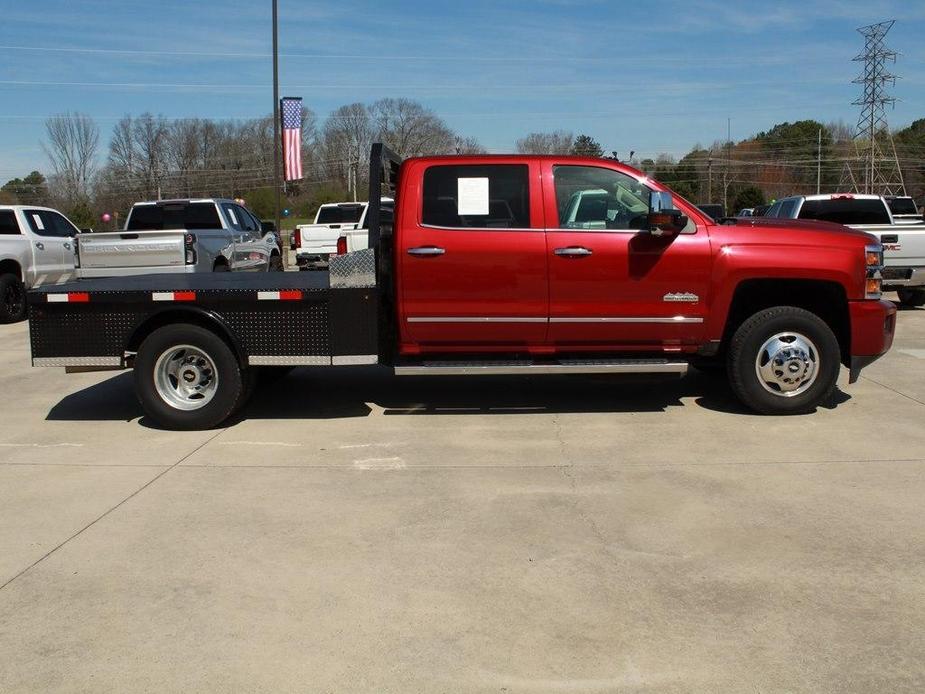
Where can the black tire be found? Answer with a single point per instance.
(221, 266)
(229, 393)
(276, 263)
(911, 297)
(746, 347)
(12, 299)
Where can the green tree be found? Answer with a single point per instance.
(31, 190)
(587, 146)
(751, 196)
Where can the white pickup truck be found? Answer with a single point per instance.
(36, 247)
(903, 240)
(315, 243)
(168, 236)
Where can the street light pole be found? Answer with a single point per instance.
(276, 141)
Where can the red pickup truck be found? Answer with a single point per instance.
(500, 265)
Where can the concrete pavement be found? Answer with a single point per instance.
(357, 532)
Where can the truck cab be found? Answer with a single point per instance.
(36, 247)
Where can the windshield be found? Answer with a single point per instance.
(339, 214)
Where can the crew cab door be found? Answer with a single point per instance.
(612, 284)
(52, 245)
(471, 255)
(251, 251)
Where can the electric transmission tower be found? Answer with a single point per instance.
(873, 140)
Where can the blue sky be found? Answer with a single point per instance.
(652, 76)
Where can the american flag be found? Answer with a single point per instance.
(291, 112)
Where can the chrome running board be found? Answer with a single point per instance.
(560, 366)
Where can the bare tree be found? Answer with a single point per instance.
(73, 139)
(346, 139)
(469, 145)
(411, 129)
(556, 142)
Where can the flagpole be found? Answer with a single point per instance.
(276, 137)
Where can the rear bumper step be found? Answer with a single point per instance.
(562, 366)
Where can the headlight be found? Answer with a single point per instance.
(873, 261)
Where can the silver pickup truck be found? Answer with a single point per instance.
(903, 240)
(203, 235)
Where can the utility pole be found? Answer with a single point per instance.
(819, 163)
(710, 180)
(276, 123)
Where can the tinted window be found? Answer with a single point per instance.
(494, 196)
(903, 206)
(8, 223)
(48, 223)
(589, 197)
(194, 215)
(248, 223)
(773, 210)
(340, 214)
(846, 211)
(788, 209)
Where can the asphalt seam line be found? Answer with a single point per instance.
(106, 513)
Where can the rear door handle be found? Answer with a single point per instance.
(423, 251)
(40, 245)
(573, 252)
(67, 245)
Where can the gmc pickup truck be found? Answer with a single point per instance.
(485, 270)
(168, 236)
(36, 247)
(903, 240)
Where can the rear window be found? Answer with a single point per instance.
(8, 223)
(340, 214)
(846, 211)
(194, 215)
(495, 196)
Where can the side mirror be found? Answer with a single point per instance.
(268, 225)
(663, 219)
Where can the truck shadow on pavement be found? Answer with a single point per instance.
(311, 393)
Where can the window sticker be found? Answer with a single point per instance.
(472, 196)
(39, 224)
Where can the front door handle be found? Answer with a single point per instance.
(423, 251)
(67, 245)
(40, 245)
(573, 252)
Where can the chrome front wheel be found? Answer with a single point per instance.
(787, 364)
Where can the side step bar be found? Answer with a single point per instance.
(561, 366)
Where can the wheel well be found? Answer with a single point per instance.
(195, 317)
(10, 267)
(825, 299)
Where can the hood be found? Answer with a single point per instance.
(766, 225)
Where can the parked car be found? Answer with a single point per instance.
(782, 304)
(36, 247)
(715, 211)
(903, 243)
(190, 235)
